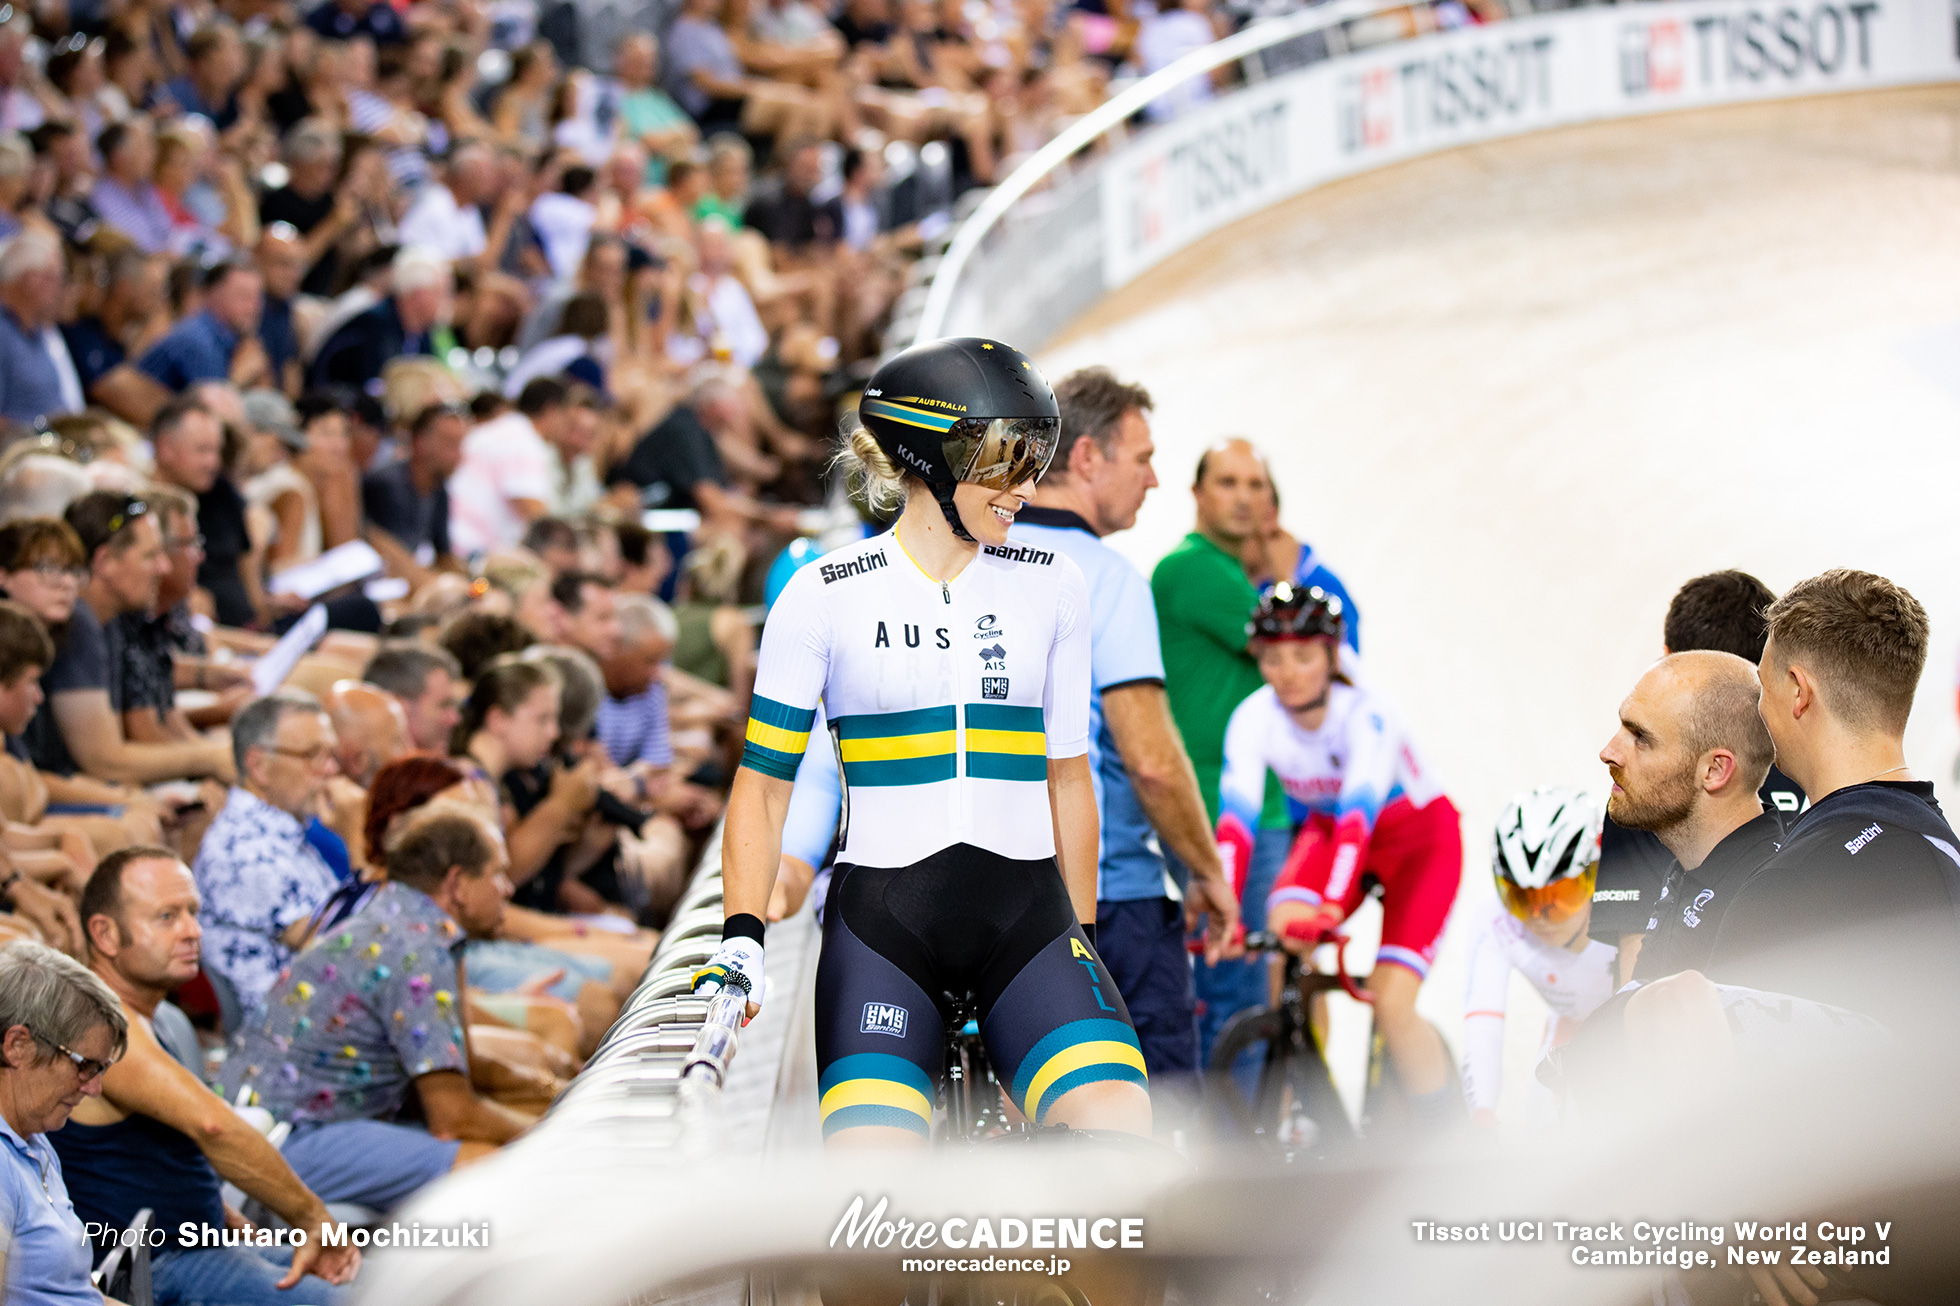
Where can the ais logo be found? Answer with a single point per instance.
(883, 1018)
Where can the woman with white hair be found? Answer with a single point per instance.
(61, 1028)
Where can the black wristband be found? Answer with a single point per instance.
(742, 925)
(1089, 929)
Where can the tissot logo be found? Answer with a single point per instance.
(883, 1018)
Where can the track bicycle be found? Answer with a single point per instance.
(1286, 1098)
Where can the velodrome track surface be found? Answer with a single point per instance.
(1518, 392)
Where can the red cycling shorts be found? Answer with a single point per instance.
(1417, 855)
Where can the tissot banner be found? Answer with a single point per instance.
(1240, 153)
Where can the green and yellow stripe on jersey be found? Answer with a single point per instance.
(897, 748)
(777, 735)
(874, 1088)
(911, 415)
(1005, 743)
(1080, 1052)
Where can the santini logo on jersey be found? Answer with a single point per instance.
(1021, 553)
(831, 571)
(1865, 836)
(883, 1018)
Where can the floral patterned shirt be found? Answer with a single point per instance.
(257, 875)
(361, 1013)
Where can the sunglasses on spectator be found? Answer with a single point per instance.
(87, 1067)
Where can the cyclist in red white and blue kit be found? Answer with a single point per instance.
(952, 669)
(1366, 807)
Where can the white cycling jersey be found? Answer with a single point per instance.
(944, 699)
(1573, 985)
(1359, 761)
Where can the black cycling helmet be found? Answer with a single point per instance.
(1288, 612)
(963, 410)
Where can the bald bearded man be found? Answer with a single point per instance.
(1686, 762)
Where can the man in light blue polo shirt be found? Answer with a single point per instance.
(1144, 781)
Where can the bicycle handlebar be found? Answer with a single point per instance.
(1267, 941)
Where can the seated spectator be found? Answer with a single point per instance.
(407, 500)
(706, 77)
(310, 205)
(164, 645)
(280, 259)
(555, 541)
(34, 484)
(130, 312)
(644, 562)
(37, 377)
(715, 640)
(219, 342)
(578, 351)
(189, 445)
(633, 723)
(475, 639)
(678, 463)
(651, 117)
(447, 216)
(25, 798)
(260, 878)
(427, 683)
(60, 1029)
(509, 725)
(721, 320)
(446, 883)
(507, 475)
(564, 219)
(39, 562)
(545, 940)
(156, 1137)
(277, 493)
(216, 58)
(421, 287)
(79, 728)
(124, 197)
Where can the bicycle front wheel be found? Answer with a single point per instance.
(1268, 1075)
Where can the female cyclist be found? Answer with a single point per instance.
(953, 672)
(1365, 805)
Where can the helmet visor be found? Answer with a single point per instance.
(1001, 452)
(1558, 901)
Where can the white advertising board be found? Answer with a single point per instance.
(1238, 154)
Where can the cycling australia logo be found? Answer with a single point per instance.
(883, 1018)
(1691, 914)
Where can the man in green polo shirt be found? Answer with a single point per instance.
(1203, 601)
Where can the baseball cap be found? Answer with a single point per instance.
(272, 412)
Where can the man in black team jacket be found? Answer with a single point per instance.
(1686, 762)
(1860, 906)
(1722, 611)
